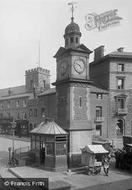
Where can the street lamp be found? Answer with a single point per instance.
(13, 132)
(9, 149)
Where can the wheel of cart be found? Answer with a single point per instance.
(89, 170)
(94, 170)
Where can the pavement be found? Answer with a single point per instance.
(117, 180)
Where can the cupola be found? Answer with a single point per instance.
(72, 35)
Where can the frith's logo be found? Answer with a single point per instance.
(102, 21)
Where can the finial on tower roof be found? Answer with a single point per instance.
(72, 9)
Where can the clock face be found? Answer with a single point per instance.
(79, 66)
(63, 67)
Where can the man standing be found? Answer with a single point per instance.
(105, 164)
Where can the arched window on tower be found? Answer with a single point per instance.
(77, 40)
(66, 42)
(31, 84)
(44, 83)
(71, 39)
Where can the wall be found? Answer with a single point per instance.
(48, 102)
(105, 111)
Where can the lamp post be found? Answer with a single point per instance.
(13, 132)
(9, 149)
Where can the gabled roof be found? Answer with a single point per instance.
(49, 128)
(81, 48)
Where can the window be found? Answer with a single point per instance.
(120, 67)
(76, 40)
(99, 96)
(66, 42)
(1, 107)
(9, 115)
(1, 115)
(17, 103)
(18, 115)
(42, 112)
(8, 104)
(61, 148)
(35, 112)
(30, 112)
(71, 39)
(24, 116)
(80, 101)
(31, 84)
(44, 83)
(98, 130)
(121, 103)
(50, 148)
(24, 103)
(98, 111)
(120, 83)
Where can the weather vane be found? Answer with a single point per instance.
(72, 8)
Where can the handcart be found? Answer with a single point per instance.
(92, 158)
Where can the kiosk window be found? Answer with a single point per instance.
(60, 149)
(50, 148)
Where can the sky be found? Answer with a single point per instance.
(24, 24)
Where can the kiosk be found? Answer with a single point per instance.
(49, 144)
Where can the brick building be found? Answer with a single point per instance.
(114, 73)
(14, 101)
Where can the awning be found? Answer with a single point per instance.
(95, 149)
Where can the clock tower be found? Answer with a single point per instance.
(73, 92)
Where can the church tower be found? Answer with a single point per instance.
(73, 91)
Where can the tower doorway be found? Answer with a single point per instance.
(120, 128)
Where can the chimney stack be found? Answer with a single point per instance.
(121, 49)
(98, 53)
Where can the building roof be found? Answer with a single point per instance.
(121, 54)
(49, 91)
(13, 90)
(49, 128)
(16, 96)
(72, 27)
(114, 54)
(97, 89)
(95, 149)
(80, 48)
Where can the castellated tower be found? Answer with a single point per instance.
(37, 79)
